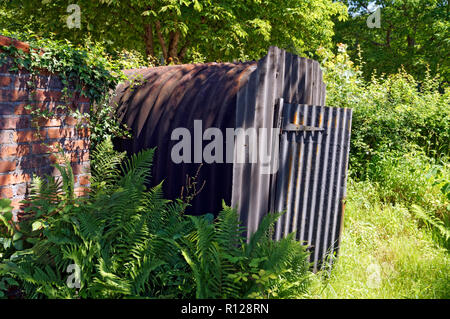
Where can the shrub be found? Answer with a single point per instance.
(225, 266)
(394, 113)
(126, 241)
(410, 178)
(400, 137)
(419, 183)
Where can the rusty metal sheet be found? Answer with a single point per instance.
(158, 100)
(310, 185)
(278, 75)
(310, 181)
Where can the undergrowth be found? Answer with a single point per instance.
(124, 241)
(395, 241)
(386, 252)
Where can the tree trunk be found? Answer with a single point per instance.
(161, 40)
(148, 38)
(183, 50)
(411, 42)
(173, 46)
(388, 36)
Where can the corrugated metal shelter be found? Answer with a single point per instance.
(282, 93)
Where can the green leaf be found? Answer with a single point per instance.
(17, 236)
(197, 5)
(18, 244)
(5, 205)
(37, 225)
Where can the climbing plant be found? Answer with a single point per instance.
(84, 72)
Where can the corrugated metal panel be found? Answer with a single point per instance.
(311, 181)
(164, 98)
(278, 75)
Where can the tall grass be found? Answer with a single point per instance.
(385, 253)
(395, 242)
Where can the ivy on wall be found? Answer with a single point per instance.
(84, 72)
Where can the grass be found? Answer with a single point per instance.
(385, 253)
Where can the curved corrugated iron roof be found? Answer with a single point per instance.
(158, 100)
(278, 90)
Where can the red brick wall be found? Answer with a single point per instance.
(23, 150)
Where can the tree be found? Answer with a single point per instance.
(413, 33)
(185, 30)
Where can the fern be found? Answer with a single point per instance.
(128, 241)
(136, 170)
(105, 162)
(262, 233)
(225, 266)
(432, 222)
(111, 236)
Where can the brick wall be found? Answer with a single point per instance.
(25, 150)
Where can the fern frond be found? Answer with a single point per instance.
(229, 232)
(431, 220)
(136, 169)
(263, 232)
(105, 162)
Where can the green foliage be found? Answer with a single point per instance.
(225, 266)
(439, 228)
(103, 122)
(410, 178)
(129, 242)
(400, 137)
(105, 163)
(10, 241)
(187, 30)
(413, 34)
(385, 253)
(394, 113)
(417, 182)
(84, 71)
(117, 237)
(397, 218)
(5, 216)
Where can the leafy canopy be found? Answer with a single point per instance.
(185, 30)
(414, 34)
